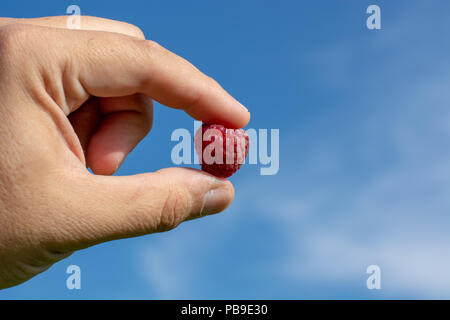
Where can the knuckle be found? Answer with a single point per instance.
(176, 206)
(212, 82)
(147, 50)
(151, 54)
(151, 45)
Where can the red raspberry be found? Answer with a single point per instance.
(222, 151)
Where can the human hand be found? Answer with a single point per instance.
(72, 99)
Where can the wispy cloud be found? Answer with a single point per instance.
(372, 190)
(396, 213)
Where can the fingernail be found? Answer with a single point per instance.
(243, 107)
(215, 201)
(119, 163)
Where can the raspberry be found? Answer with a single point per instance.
(221, 151)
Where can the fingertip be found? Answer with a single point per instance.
(240, 116)
(219, 196)
(217, 200)
(211, 194)
(105, 164)
(247, 117)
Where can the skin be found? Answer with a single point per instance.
(73, 99)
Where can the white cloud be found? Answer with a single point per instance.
(333, 220)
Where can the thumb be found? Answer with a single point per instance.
(104, 208)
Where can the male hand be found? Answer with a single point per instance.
(72, 99)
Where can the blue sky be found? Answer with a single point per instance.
(364, 160)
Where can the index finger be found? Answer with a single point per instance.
(173, 81)
(110, 65)
(86, 23)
